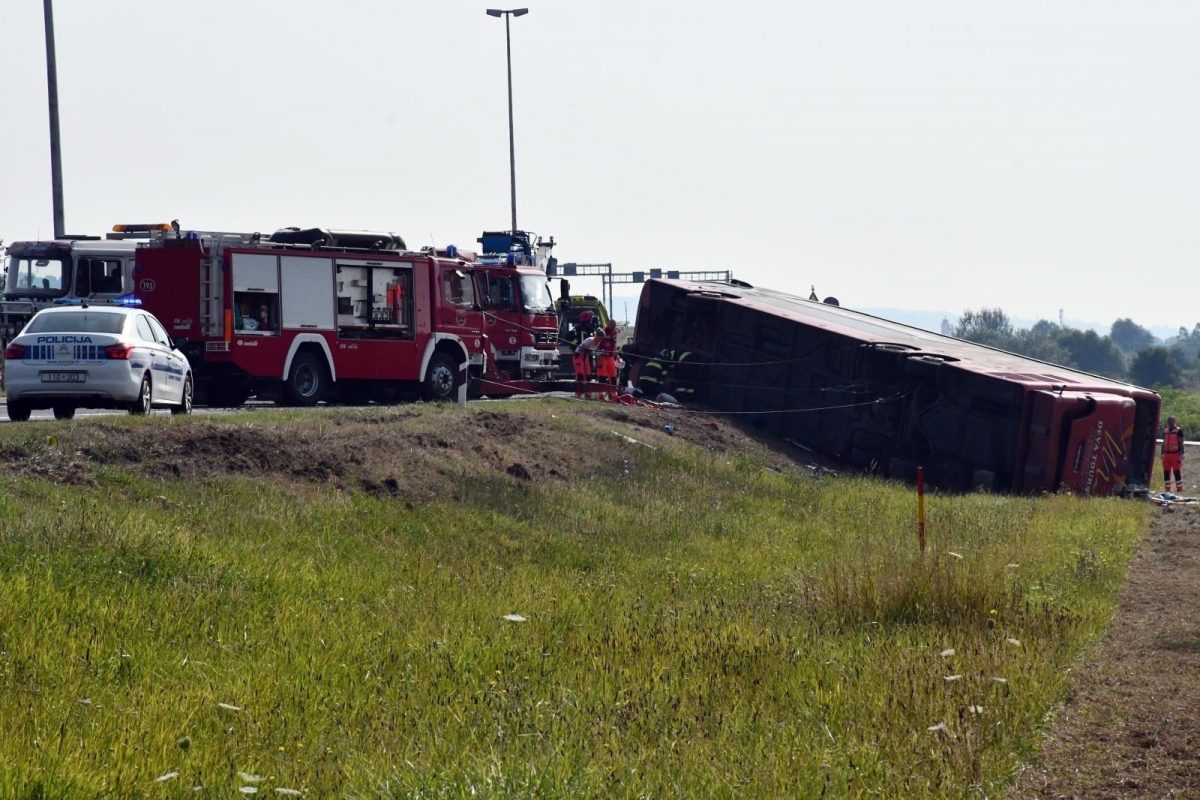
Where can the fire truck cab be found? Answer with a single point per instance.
(519, 317)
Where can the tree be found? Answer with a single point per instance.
(1091, 352)
(1045, 327)
(1131, 337)
(1040, 345)
(1186, 345)
(989, 326)
(1155, 366)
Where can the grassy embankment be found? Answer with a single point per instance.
(1184, 405)
(695, 626)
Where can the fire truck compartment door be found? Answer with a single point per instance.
(308, 299)
(252, 273)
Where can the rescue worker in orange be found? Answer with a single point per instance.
(1172, 456)
(606, 354)
(582, 361)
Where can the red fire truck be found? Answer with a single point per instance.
(302, 313)
(519, 316)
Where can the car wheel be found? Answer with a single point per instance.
(145, 398)
(185, 400)
(18, 411)
(306, 381)
(441, 379)
(64, 411)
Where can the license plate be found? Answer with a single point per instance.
(63, 377)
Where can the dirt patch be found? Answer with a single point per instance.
(411, 452)
(1130, 726)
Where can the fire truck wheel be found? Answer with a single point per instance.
(145, 399)
(64, 411)
(306, 380)
(18, 411)
(185, 400)
(441, 379)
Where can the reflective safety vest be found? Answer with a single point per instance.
(1173, 441)
(651, 373)
(684, 376)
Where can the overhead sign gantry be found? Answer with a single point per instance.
(608, 277)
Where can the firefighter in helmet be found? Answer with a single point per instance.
(672, 372)
(652, 377)
(585, 326)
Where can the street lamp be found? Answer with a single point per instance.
(512, 156)
(52, 96)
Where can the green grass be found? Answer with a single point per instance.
(698, 626)
(1184, 406)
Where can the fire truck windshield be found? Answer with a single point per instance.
(36, 277)
(535, 294)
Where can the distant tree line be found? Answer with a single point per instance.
(1127, 352)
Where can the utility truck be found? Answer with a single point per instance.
(39, 274)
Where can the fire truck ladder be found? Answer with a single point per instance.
(209, 309)
(212, 320)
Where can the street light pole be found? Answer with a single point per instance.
(55, 152)
(512, 154)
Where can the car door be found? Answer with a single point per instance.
(177, 362)
(175, 365)
(155, 356)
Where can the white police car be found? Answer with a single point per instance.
(95, 356)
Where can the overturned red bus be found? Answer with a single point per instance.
(888, 397)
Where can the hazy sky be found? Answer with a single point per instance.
(944, 155)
